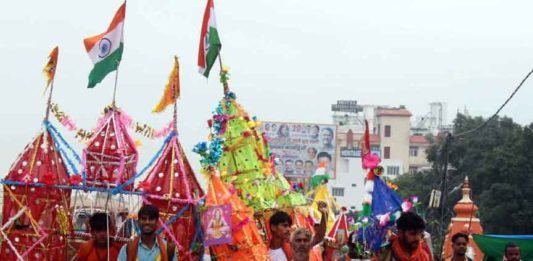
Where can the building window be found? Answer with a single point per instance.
(379, 129)
(387, 130)
(413, 169)
(386, 152)
(337, 192)
(393, 170)
(413, 151)
(354, 185)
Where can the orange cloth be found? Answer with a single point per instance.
(133, 247)
(172, 89)
(247, 243)
(88, 252)
(314, 255)
(419, 254)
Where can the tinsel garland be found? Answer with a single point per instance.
(84, 135)
(62, 220)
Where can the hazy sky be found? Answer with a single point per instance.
(289, 60)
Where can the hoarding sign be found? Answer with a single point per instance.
(300, 147)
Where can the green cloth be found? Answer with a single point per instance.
(493, 246)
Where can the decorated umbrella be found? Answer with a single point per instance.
(339, 231)
(337, 236)
(36, 219)
(229, 224)
(243, 161)
(110, 157)
(172, 186)
(247, 164)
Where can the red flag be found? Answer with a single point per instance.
(365, 143)
(369, 160)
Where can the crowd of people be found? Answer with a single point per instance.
(286, 244)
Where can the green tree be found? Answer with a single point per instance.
(498, 159)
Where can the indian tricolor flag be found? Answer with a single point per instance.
(105, 49)
(209, 41)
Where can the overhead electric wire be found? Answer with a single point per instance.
(498, 111)
(449, 138)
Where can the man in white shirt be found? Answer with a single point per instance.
(280, 229)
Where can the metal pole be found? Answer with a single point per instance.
(225, 83)
(113, 104)
(445, 153)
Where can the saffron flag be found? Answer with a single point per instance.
(172, 89)
(209, 41)
(105, 49)
(50, 68)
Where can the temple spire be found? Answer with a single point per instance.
(466, 192)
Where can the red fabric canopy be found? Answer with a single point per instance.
(47, 207)
(171, 185)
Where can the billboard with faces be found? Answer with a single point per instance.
(301, 147)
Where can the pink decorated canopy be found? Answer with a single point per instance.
(110, 158)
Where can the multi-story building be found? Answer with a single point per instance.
(391, 138)
(393, 129)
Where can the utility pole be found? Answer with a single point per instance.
(445, 154)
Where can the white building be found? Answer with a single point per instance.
(390, 138)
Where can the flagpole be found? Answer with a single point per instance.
(118, 66)
(175, 83)
(175, 119)
(113, 104)
(49, 102)
(224, 83)
(175, 115)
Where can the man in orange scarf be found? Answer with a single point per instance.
(101, 245)
(408, 245)
(280, 249)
